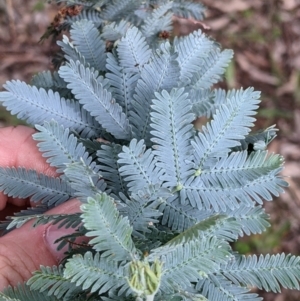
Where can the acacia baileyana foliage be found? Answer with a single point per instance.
(161, 200)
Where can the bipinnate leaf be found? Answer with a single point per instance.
(89, 90)
(60, 146)
(86, 38)
(23, 183)
(189, 262)
(111, 233)
(172, 130)
(53, 281)
(138, 166)
(219, 288)
(95, 273)
(268, 272)
(36, 106)
(22, 292)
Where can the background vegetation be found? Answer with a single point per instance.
(265, 37)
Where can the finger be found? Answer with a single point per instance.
(23, 250)
(18, 149)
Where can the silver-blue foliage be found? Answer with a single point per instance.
(161, 199)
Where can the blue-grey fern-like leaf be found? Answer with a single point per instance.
(212, 68)
(268, 272)
(23, 183)
(92, 15)
(203, 102)
(88, 89)
(160, 73)
(142, 208)
(92, 146)
(123, 82)
(188, 9)
(95, 273)
(115, 30)
(172, 131)
(159, 20)
(51, 81)
(239, 169)
(61, 147)
(38, 105)
(261, 188)
(117, 9)
(22, 292)
(218, 288)
(206, 102)
(52, 280)
(84, 180)
(220, 226)
(192, 50)
(252, 220)
(189, 262)
(179, 217)
(107, 157)
(21, 217)
(138, 166)
(133, 50)
(61, 220)
(221, 187)
(71, 53)
(86, 38)
(132, 53)
(231, 123)
(84, 3)
(111, 233)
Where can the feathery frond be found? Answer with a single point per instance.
(212, 68)
(52, 281)
(139, 168)
(142, 209)
(123, 82)
(159, 20)
(38, 105)
(86, 38)
(60, 146)
(23, 183)
(88, 88)
(51, 81)
(22, 292)
(190, 262)
(267, 272)
(172, 131)
(108, 157)
(71, 53)
(260, 180)
(84, 180)
(218, 288)
(117, 9)
(192, 50)
(160, 73)
(133, 50)
(115, 30)
(231, 123)
(111, 232)
(95, 273)
(188, 9)
(90, 14)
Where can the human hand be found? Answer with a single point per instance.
(23, 250)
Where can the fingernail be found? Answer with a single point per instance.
(51, 234)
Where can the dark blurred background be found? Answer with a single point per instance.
(265, 36)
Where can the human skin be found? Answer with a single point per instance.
(23, 250)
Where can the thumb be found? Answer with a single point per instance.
(23, 250)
